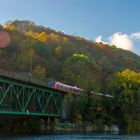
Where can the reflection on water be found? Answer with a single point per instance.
(73, 137)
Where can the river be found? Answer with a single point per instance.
(72, 137)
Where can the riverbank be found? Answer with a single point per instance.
(67, 127)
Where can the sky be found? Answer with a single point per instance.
(109, 21)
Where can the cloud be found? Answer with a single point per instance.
(120, 40)
(98, 39)
(123, 41)
(135, 36)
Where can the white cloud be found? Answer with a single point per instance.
(98, 39)
(135, 36)
(120, 40)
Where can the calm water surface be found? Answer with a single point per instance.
(73, 137)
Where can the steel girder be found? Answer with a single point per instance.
(26, 99)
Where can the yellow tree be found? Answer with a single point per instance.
(32, 34)
(42, 36)
(126, 88)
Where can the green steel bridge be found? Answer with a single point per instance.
(22, 97)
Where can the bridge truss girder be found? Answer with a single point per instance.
(27, 99)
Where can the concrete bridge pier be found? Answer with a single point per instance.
(48, 124)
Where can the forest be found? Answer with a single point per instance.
(55, 56)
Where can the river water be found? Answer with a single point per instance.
(72, 137)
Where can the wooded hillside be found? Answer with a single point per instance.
(61, 57)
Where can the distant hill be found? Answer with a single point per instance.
(61, 57)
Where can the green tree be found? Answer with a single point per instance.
(39, 72)
(125, 86)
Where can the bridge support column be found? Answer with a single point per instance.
(48, 124)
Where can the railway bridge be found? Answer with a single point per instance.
(23, 97)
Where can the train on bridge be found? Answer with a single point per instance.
(65, 87)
